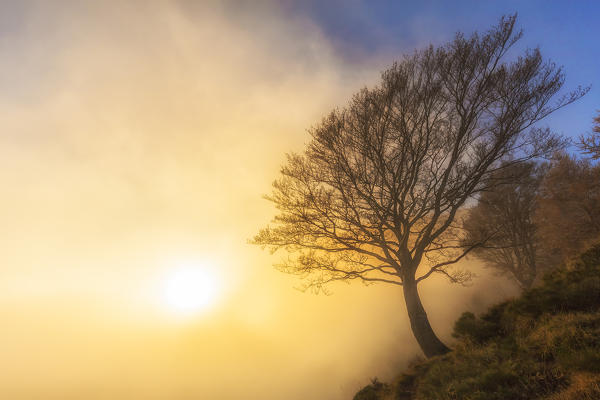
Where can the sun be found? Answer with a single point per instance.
(191, 288)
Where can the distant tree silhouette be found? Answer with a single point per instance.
(590, 145)
(375, 195)
(568, 214)
(503, 221)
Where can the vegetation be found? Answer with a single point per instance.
(541, 215)
(568, 211)
(376, 194)
(590, 145)
(503, 221)
(542, 345)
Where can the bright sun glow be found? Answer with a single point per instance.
(191, 288)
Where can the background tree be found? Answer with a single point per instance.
(375, 195)
(503, 221)
(568, 214)
(590, 145)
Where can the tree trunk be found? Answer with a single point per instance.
(429, 342)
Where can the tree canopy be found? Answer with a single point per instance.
(568, 212)
(375, 195)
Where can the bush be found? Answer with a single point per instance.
(374, 391)
(469, 327)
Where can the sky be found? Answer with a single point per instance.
(137, 140)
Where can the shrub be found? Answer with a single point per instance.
(374, 391)
(469, 327)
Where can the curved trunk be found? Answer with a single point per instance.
(429, 342)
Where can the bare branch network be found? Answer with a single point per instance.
(376, 194)
(590, 145)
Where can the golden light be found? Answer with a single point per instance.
(192, 288)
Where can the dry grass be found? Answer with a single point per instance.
(583, 386)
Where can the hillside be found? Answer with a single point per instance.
(542, 345)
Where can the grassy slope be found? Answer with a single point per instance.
(543, 345)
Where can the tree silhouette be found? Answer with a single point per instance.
(568, 212)
(375, 195)
(503, 221)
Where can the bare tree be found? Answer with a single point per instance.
(503, 222)
(590, 144)
(375, 195)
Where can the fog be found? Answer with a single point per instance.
(136, 137)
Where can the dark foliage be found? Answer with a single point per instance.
(542, 345)
(573, 289)
(373, 391)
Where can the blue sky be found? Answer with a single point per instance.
(567, 33)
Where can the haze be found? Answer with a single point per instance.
(139, 137)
